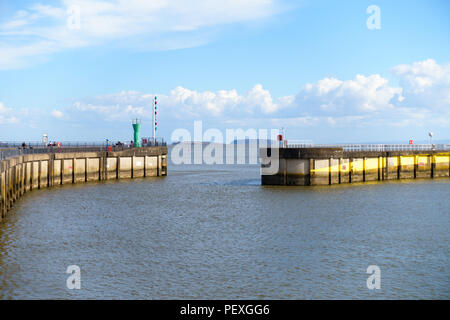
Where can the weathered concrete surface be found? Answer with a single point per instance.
(371, 169)
(27, 172)
(138, 166)
(406, 167)
(328, 166)
(79, 170)
(423, 167)
(441, 166)
(320, 172)
(35, 175)
(125, 167)
(111, 168)
(357, 170)
(392, 167)
(93, 169)
(67, 171)
(151, 166)
(297, 171)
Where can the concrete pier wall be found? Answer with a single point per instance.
(327, 166)
(35, 171)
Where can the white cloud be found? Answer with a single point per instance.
(7, 115)
(183, 103)
(363, 94)
(362, 101)
(57, 114)
(426, 84)
(262, 98)
(44, 29)
(365, 101)
(193, 103)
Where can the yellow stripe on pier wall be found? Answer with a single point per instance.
(34, 171)
(325, 166)
(371, 168)
(344, 170)
(442, 166)
(392, 167)
(320, 172)
(334, 171)
(357, 170)
(378, 168)
(406, 170)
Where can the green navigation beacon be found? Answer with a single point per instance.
(137, 133)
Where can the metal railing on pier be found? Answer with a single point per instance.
(8, 153)
(375, 147)
(158, 142)
(13, 152)
(34, 144)
(12, 149)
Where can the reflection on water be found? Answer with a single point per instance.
(215, 232)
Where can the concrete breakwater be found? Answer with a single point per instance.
(23, 173)
(327, 166)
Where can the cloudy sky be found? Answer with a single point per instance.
(81, 70)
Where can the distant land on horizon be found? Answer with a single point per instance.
(258, 141)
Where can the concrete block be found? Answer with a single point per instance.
(93, 169)
(391, 168)
(43, 177)
(441, 168)
(79, 170)
(35, 175)
(334, 171)
(28, 176)
(111, 168)
(344, 170)
(151, 166)
(138, 166)
(67, 176)
(320, 172)
(406, 167)
(357, 170)
(57, 172)
(125, 167)
(423, 166)
(371, 169)
(297, 172)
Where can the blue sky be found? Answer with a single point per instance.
(313, 67)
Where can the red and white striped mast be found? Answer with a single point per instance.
(154, 120)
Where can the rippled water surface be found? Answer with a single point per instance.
(214, 232)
